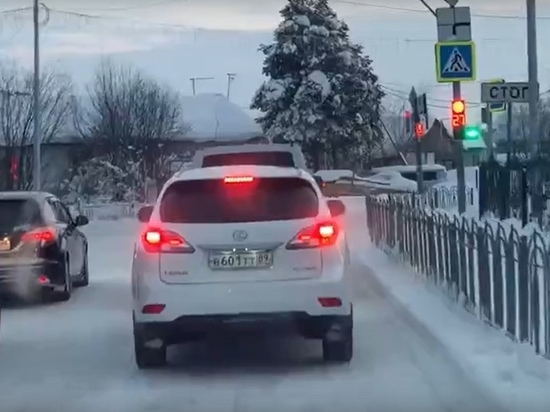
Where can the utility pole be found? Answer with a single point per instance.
(230, 78)
(413, 100)
(534, 183)
(532, 64)
(509, 119)
(36, 101)
(194, 80)
(460, 172)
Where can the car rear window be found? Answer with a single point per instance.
(283, 159)
(19, 212)
(214, 201)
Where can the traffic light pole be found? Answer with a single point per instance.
(460, 172)
(413, 100)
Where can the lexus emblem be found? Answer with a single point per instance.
(239, 235)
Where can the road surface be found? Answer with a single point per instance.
(78, 356)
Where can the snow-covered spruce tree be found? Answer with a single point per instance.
(321, 91)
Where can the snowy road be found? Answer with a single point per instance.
(77, 356)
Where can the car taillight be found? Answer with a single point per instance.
(319, 235)
(42, 235)
(164, 241)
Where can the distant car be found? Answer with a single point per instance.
(282, 155)
(272, 154)
(43, 254)
(230, 246)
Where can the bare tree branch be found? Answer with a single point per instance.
(130, 118)
(17, 117)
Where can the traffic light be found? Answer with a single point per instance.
(471, 133)
(458, 119)
(459, 113)
(418, 130)
(408, 121)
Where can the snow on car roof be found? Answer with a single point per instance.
(219, 172)
(410, 168)
(248, 148)
(21, 195)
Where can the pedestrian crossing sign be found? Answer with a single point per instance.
(455, 62)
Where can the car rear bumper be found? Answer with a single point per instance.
(242, 298)
(40, 274)
(188, 328)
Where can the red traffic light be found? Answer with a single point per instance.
(458, 108)
(418, 130)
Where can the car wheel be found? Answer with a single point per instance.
(340, 350)
(147, 357)
(67, 291)
(84, 277)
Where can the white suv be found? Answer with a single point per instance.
(241, 247)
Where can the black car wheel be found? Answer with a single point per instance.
(340, 350)
(147, 357)
(67, 291)
(84, 277)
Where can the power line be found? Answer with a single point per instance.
(424, 11)
(351, 2)
(128, 8)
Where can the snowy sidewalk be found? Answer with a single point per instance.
(512, 372)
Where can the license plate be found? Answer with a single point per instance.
(240, 260)
(5, 244)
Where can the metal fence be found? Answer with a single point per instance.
(518, 188)
(435, 198)
(497, 272)
(107, 211)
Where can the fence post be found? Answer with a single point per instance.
(511, 248)
(523, 289)
(497, 281)
(483, 273)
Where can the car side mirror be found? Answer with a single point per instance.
(81, 220)
(144, 214)
(336, 207)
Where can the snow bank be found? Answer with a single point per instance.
(212, 117)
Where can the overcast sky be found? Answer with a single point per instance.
(174, 40)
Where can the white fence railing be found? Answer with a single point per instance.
(106, 211)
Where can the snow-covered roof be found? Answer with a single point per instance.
(213, 117)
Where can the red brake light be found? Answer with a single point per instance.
(238, 179)
(165, 241)
(43, 234)
(319, 235)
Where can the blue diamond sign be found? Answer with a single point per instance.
(455, 61)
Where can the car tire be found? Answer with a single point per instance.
(67, 291)
(340, 350)
(84, 277)
(146, 357)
